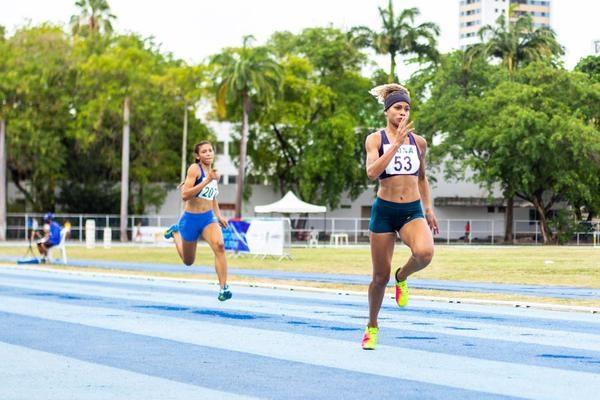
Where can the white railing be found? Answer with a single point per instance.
(452, 231)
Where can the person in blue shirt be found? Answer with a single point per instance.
(51, 236)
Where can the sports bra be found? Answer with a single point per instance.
(406, 161)
(210, 191)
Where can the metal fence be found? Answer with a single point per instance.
(326, 230)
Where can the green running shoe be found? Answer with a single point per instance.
(172, 229)
(369, 341)
(224, 294)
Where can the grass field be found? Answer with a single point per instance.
(544, 265)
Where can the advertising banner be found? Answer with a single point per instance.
(266, 237)
(234, 236)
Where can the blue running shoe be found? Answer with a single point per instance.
(172, 229)
(225, 293)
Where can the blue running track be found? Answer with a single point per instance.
(79, 336)
(564, 292)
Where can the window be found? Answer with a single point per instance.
(345, 206)
(502, 209)
(221, 179)
(490, 209)
(220, 148)
(231, 179)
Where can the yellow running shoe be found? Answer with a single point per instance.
(401, 292)
(369, 341)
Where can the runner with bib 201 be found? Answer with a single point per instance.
(396, 157)
(202, 216)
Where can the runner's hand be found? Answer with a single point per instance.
(403, 128)
(432, 222)
(223, 222)
(213, 174)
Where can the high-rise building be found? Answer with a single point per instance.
(475, 14)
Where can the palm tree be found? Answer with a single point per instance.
(516, 43)
(243, 74)
(400, 36)
(95, 16)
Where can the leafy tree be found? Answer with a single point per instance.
(400, 36)
(245, 75)
(590, 65)
(310, 140)
(531, 137)
(36, 110)
(516, 43)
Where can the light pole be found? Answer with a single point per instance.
(184, 146)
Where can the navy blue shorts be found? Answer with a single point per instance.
(191, 225)
(388, 216)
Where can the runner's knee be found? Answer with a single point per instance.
(381, 278)
(423, 256)
(219, 246)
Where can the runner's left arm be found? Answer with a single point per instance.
(425, 193)
(217, 211)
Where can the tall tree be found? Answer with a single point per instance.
(244, 74)
(590, 65)
(542, 155)
(94, 18)
(310, 140)
(3, 194)
(3, 88)
(515, 42)
(36, 110)
(400, 36)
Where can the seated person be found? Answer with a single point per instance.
(51, 236)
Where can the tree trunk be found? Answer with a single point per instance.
(3, 187)
(184, 147)
(508, 221)
(539, 207)
(125, 171)
(392, 77)
(243, 144)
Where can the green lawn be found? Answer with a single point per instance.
(572, 266)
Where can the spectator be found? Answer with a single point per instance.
(51, 236)
(468, 232)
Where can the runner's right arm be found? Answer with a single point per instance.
(188, 190)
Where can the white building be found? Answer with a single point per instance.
(475, 14)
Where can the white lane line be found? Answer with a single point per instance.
(56, 377)
(436, 368)
(491, 307)
(388, 319)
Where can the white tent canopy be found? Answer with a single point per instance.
(290, 204)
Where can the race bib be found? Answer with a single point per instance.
(405, 161)
(210, 191)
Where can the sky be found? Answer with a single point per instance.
(195, 29)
